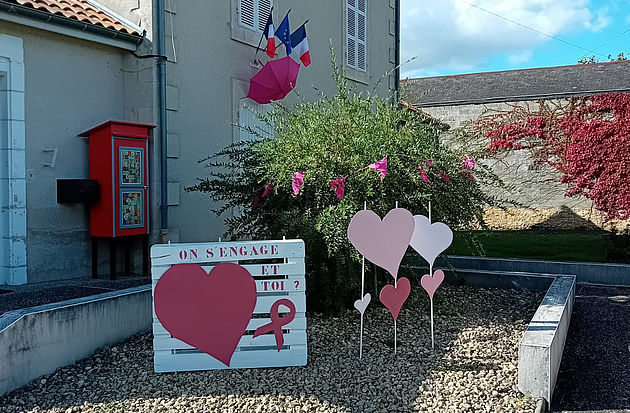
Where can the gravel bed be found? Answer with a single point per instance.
(473, 368)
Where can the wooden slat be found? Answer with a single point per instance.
(263, 304)
(292, 283)
(162, 254)
(294, 337)
(256, 270)
(299, 323)
(165, 361)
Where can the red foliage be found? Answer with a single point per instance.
(587, 140)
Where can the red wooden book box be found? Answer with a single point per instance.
(119, 161)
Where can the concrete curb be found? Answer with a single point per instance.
(542, 345)
(37, 341)
(585, 272)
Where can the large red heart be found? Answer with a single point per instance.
(208, 311)
(394, 297)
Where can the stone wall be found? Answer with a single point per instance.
(533, 187)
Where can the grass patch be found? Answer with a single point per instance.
(591, 246)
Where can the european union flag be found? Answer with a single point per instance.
(284, 33)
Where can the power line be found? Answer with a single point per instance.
(530, 28)
(603, 44)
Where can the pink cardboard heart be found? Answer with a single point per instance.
(430, 240)
(431, 284)
(208, 311)
(394, 297)
(382, 242)
(362, 304)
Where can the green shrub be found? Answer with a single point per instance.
(327, 140)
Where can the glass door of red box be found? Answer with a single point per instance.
(130, 189)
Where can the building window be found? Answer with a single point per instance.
(251, 126)
(356, 30)
(253, 14)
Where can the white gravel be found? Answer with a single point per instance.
(473, 368)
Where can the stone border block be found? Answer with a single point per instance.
(542, 345)
(37, 341)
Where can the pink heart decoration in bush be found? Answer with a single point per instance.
(208, 311)
(430, 240)
(393, 297)
(382, 242)
(431, 284)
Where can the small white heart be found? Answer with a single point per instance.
(430, 240)
(362, 304)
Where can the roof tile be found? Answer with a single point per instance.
(79, 10)
(515, 85)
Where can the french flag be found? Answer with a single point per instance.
(271, 37)
(300, 45)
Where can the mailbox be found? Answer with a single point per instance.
(119, 154)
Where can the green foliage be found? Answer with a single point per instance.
(621, 57)
(329, 139)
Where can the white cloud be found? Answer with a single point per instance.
(520, 57)
(452, 34)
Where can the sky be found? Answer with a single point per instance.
(446, 37)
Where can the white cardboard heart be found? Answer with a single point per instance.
(362, 304)
(430, 240)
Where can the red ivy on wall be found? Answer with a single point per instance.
(588, 140)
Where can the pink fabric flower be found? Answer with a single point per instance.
(266, 191)
(424, 175)
(297, 182)
(444, 176)
(468, 163)
(381, 166)
(339, 185)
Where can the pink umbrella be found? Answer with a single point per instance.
(274, 81)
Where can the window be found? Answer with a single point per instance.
(248, 109)
(356, 30)
(253, 14)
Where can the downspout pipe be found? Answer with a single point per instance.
(161, 81)
(397, 62)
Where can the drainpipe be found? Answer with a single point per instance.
(397, 62)
(161, 80)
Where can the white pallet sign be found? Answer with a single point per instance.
(278, 269)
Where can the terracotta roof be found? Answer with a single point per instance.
(80, 10)
(515, 85)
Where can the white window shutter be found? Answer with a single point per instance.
(247, 111)
(264, 8)
(246, 13)
(252, 14)
(356, 34)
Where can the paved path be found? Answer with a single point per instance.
(30, 295)
(595, 370)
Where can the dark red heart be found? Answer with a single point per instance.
(394, 297)
(208, 311)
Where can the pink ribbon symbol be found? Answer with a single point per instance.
(277, 322)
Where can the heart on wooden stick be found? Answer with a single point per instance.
(430, 240)
(393, 297)
(431, 283)
(362, 304)
(382, 242)
(207, 311)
